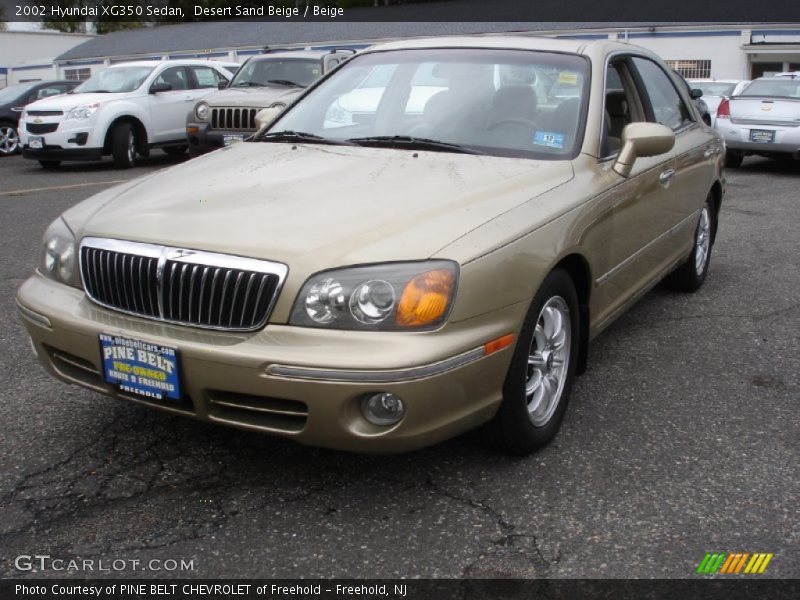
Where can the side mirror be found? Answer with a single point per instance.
(266, 116)
(221, 85)
(160, 87)
(642, 139)
(696, 93)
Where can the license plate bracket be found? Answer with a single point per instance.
(764, 136)
(231, 139)
(36, 142)
(140, 368)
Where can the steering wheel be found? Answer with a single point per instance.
(512, 121)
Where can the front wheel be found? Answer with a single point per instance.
(123, 146)
(692, 273)
(539, 379)
(9, 140)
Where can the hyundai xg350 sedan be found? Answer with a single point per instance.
(383, 282)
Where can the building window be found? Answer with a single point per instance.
(77, 74)
(691, 69)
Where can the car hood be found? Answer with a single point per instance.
(313, 206)
(66, 102)
(253, 96)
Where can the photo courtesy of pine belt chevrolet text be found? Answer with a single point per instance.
(422, 244)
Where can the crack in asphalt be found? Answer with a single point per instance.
(509, 539)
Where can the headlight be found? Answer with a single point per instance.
(82, 112)
(201, 111)
(386, 297)
(58, 255)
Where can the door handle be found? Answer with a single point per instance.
(666, 176)
(710, 152)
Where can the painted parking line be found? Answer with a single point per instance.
(61, 187)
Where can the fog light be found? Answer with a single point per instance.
(383, 408)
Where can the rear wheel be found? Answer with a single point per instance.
(49, 164)
(123, 146)
(692, 273)
(9, 140)
(733, 159)
(539, 379)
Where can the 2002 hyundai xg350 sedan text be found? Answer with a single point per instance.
(383, 273)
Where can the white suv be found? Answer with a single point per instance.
(124, 110)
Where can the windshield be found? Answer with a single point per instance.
(501, 102)
(713, 88)
(786, 88)
(12, 92)
(115, 80)
(269, 71)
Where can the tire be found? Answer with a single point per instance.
(529, 416)
(692, 273)
(123, 146)
(49, 164)
(733, 160)
(176, 150)
(9, 139)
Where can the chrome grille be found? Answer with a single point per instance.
(187, 287)
(234, 118)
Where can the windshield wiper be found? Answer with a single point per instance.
(248, 84)
(406, 141)
(94, 92)
(299, 136)
(285, 82)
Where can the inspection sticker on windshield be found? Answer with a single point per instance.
(567, 77)
(549, 139)
(140, 368)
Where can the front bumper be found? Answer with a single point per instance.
(737, 137)
(72, 140)
(203, 139)
(300, 383)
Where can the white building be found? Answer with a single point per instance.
(29, 55)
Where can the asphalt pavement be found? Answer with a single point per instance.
(682, 438)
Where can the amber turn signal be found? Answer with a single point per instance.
(425, 298)
(192, 129)
(498, 344)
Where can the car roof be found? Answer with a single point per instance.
(513, 42)
(172, 63)
(299, 54)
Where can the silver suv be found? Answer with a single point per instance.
(265, 81)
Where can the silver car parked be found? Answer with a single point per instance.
(764, 119)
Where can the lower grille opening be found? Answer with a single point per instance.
(75, 368)
(260, 411)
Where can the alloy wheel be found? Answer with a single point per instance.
(548, 360)
(702, 242)
(9, 140)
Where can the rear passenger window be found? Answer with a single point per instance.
(206, 77)
(668, 107)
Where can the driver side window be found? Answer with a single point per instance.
(174, 76)
(667, 105)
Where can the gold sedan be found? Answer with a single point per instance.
(425, 243)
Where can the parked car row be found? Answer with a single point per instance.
(128, 110)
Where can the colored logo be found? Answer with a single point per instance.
(734, 564)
